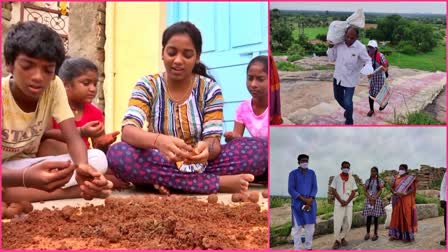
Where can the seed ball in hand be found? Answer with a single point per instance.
(18, 208)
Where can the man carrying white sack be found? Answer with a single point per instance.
(350, 57)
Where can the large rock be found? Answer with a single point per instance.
(425, 211)
(324, 227)
(280, 58)
(311, 75)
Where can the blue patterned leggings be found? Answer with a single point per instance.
(149, 166)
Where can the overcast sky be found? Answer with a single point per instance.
(384, 7)
(327, 147)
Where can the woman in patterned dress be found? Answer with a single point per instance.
(403, 224)
(378, 78)
(373, 205)
(183, 107)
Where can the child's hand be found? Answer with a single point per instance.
(99, 187)
(48, 175)
(200, 153)
(229, 136)
(175, 149)
(105, 140)
(92, 129)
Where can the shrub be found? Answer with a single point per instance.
(286, 66)
(321, 37)
(278, 201)
(407, 48)
(296, 49)
(294, 57)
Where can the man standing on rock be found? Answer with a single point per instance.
(350, 57)
(344, 189)
(302, 186)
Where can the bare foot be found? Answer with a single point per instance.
(163, 190)
(118, 183)
(235, 183)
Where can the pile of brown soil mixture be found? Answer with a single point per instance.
(141, 222)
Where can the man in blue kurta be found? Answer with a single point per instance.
(302, 186)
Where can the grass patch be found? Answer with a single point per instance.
(310, 32)
(293, 58)
(278, 201)
(278, 53)
(323, 207)
(416, 118)
(326, 216)
(286, 66)
(318, 67)
(432, 61)
(279, 235)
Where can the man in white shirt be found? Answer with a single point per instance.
(443, 205)
(344, 189)
(350, 57)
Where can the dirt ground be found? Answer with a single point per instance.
(142, 222)
(430, 233)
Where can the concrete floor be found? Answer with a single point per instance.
(224, 198)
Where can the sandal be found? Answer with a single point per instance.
(336, 245)
(375, 237)
(366, 237)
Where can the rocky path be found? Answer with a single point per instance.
(307, 96)
(430, 232)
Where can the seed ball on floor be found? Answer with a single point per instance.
(244, 197)
(68, 211)
(212, 198)
(27, 206)
(265, 194)
(236, 197)
(254, 196)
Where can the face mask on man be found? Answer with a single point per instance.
(401, 172)
(345, 170)
(304, 165)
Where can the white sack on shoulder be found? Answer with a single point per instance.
(336, 30)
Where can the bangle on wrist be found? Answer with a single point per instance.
(155, 140)
(23, 176)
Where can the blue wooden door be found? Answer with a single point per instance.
(232, 34)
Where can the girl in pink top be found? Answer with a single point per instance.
(253, 113)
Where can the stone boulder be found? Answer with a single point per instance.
(425, 211)
(280, 58)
